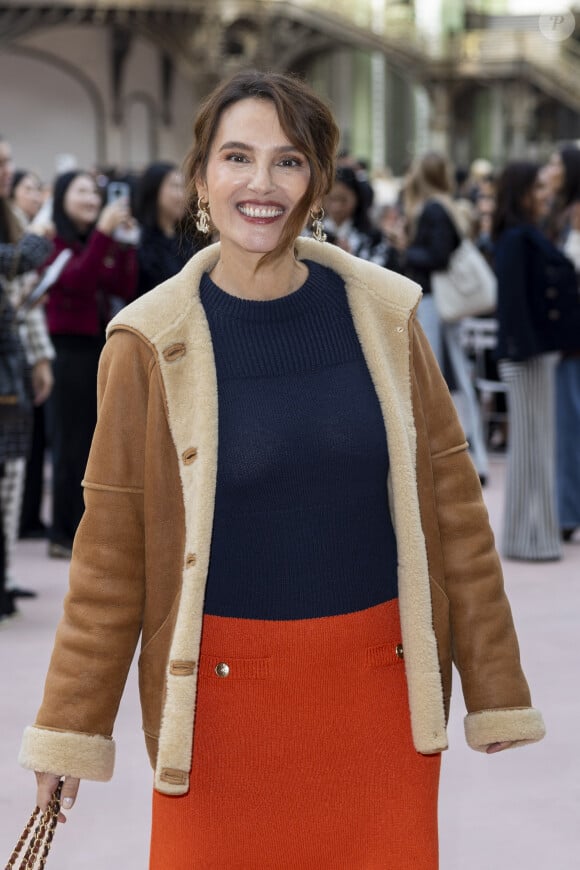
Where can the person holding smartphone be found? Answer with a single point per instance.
(78, 310)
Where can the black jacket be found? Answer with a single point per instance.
(538, 303)
(435, 240)
(160, 257)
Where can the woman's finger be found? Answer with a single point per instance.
(498, 747)
(68, 794)
(47, 784)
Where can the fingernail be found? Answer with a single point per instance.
(67, 802)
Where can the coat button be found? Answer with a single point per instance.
(174, 352)
(189, 455)
(222, 670)
(399, 651)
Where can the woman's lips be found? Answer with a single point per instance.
(260, 213)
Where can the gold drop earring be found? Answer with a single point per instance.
(202, 221)
(317, 225)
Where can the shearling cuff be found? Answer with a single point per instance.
(519, 725)
(68, 753)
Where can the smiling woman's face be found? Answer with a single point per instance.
(82, 202)
(254, 177)
(28, 195)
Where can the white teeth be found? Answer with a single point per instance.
(261, 212)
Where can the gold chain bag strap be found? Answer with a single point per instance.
(36, 838)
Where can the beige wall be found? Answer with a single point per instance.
(57, 99)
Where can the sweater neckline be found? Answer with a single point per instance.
(313, 293)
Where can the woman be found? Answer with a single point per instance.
(160, 209)
(565, 179)
(529, 270)
(242, 563)
(23, 482)
(78, 310)
(348, 223)
(19, 253)
(26, 195)
(21, 473)
(436, 227)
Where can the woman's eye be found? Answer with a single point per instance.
(289, 162)
(236, 158)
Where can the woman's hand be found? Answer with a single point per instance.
(42, 381)
(46, 786)
(396, 234)
(45, 228)
(113, 215)
(499, 747)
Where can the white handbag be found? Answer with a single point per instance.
(467, 288)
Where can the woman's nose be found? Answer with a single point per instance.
(261, 180)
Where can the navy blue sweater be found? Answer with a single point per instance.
(302, 527)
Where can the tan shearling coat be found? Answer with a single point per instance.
(141, 553)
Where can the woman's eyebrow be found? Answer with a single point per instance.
(242, 146)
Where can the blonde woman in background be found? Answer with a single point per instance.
(436, 225)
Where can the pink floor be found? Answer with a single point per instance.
(519, 810)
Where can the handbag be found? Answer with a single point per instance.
(467, 288)
(37, 837)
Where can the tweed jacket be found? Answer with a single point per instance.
(141, 554)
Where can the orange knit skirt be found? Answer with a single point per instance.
(302, 756)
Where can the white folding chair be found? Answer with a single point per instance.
(479, 337)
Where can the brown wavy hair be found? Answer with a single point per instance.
(303, 116)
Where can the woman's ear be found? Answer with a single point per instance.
(201, 189)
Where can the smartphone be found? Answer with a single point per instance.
(118, 190)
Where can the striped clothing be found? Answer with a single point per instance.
(530, 524)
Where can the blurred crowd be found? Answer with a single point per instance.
(74, 252)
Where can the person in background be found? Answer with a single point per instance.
(164, 248)
(24, 488)
(348, 223)
(78, 310)
(436, 226)
(26, 195)
(565, 224)
(432, 236)
(20, 252)
(524, 258)
(279, 497)
(22, 476)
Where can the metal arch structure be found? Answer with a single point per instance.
(209, 40)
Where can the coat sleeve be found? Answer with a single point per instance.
(23, 256)
(100, 627)
(465, 568)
